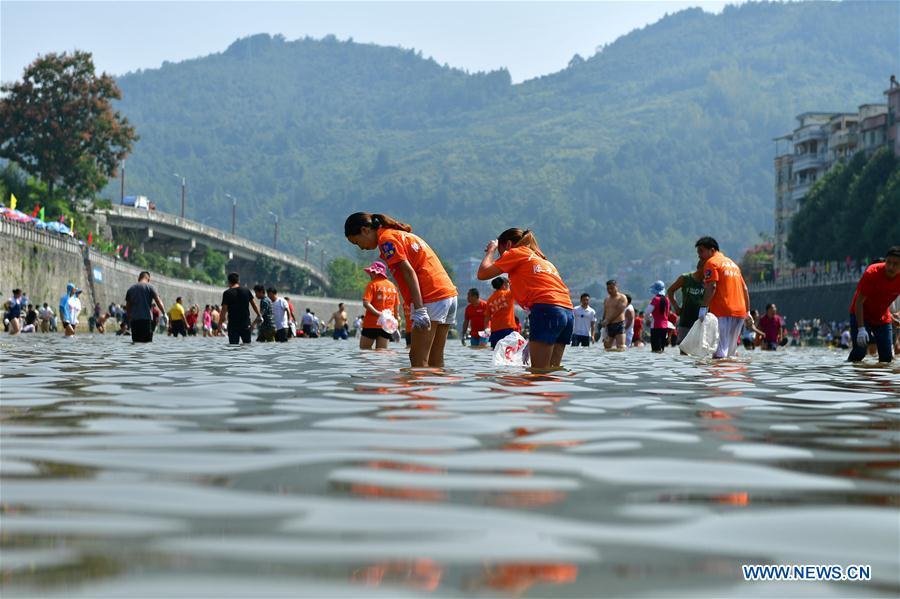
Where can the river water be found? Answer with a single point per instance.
(190, 468)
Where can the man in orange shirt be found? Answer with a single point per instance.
(725, 295)
(501, 311)
(474, 315)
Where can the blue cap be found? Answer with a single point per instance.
(658, 288)
(70, 287)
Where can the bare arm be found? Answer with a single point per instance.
(670, 293)
(487, 270)
(222, 314)
(709, 290)
(255, 309)
(371, 309)
(159, 303)
(412, 283)
(860, 318)
(746, 296)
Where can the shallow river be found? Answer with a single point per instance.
(190, 468)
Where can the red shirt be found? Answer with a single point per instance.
(879, 291)
(475, 316)
(771, 326)
(638, 327)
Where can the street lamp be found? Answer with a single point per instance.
(122, 196)
(322, 261)
(275, 242)
(233, 209)
(182, 191)
(309, 242)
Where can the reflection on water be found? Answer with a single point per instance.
(191, 468)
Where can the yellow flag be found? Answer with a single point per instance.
(12, 201)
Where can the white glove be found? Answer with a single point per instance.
(702, 314)
(862, 337)
(420, 318)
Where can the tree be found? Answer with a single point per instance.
(58, 124)
(347, 278)
(214, 265)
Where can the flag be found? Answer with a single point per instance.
(72, 225)
(12, 201)
(41, 213)
(126, 251)
(90, 237)
(34, 212)
(118, 249)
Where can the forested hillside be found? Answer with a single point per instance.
(631, 153)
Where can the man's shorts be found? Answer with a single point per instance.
(282, 335)
(442, 311)
(551, 324)
(581, 341)
(615, 328)
(142, 331)
(340, 334)
(266, 335)
(375, 333)
(476, 341)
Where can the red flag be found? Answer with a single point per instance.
(126, 251)
(34, 212)
(90, 237)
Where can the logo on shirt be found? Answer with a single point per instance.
(708, 273)
(388, 250)
(415, 246)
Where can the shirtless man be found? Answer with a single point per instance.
(614, 316)
(340, 323)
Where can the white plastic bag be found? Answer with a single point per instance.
(511, 351)
(387, 322)
(703, 338)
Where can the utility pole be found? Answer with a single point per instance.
(233, 210)
(122, 194)
(306, 251)
(275, 241)
(183, 184)
(322, 261)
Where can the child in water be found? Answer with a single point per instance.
(380, 295)
(501, 311)
(423, 282)
(536, 286)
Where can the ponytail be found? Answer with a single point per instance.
(356, 221)
(522, 238)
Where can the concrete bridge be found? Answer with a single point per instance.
(167, 233)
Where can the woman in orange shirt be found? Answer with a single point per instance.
(380, 295)
(423, 282)
(501, 310)
(537, 287)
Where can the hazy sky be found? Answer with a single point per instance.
(529, 38)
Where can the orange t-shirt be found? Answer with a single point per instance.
(501, 310)
(729, 297)
(533, 279)
(396, 246)
(382, 294)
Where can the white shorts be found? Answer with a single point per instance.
(442, 311)
(729, 333)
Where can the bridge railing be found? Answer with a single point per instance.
(27, 232)
(806, 279)
(227, 239)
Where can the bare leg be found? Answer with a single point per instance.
(420, 347)
(620, 341)
(381, 343)
(436, 355)
(556, 357)
(70, 330)
(365, 342)
(541, 354)
(13, 326)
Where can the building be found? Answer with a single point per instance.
(821, 140)
(893, 115)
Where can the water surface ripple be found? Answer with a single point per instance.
(190, 468)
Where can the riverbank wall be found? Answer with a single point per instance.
(827, 302)
(41, 264)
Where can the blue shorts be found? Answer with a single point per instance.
(551, 324)
(498, 335)
(476, 341)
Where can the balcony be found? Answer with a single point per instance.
(799, 192)
(804, 162)
(810, 132)
(842, 138)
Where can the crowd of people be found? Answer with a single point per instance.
(423, 297)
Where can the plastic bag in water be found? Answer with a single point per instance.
(511, 351)
(703, 338)
(387, 322)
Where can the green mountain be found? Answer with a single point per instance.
(662, 136)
